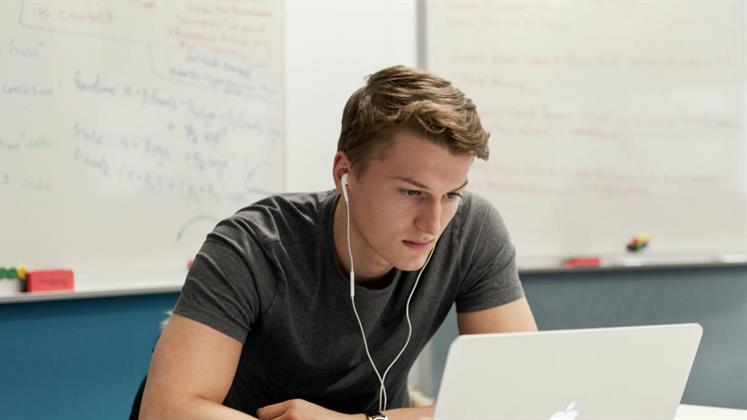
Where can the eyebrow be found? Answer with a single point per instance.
(418, 184)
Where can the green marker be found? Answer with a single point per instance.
(12, 273)
(3, 273)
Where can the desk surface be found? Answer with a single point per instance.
(699, 412)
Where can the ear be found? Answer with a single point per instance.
(340, 166)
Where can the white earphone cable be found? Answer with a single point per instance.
(352, 300)
(382, 389)
(409, 324)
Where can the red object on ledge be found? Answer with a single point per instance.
(582, 262)
(49, 280)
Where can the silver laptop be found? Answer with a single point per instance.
(605, 373)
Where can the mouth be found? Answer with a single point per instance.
(418, 245)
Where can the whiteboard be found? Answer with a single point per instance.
(129, 129)
(607, 120)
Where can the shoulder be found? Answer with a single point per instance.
(478, 231)
(475, 204)
(477, 214)
(285, 217)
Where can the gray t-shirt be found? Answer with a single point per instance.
(269, 277)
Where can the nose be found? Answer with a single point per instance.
(429, 218)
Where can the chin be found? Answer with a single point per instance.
(411, 265)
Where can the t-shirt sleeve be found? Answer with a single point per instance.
(221, 289)
(488, 262)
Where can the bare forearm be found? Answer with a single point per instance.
(414, 413)
(193, 408)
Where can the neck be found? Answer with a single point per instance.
(367, 269)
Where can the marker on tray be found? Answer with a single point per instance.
(638, 243)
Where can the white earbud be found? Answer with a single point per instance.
(345, 187)
(344, 181)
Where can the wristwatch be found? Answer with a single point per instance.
(376, 415)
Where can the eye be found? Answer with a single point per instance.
(453, 196)
(411, 193)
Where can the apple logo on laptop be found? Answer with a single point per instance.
(568, 414)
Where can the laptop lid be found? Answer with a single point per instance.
(601, 373)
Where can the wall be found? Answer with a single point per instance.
(76, 359)
(330, 47)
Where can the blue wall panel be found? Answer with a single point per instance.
(76, 359)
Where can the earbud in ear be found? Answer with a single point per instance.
(344, 180)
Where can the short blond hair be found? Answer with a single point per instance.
(400, 97)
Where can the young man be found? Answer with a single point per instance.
(266, 325)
